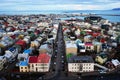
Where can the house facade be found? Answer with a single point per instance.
(2, 62)
(71, 48)
(23, 66)
(89, 46)
(40, 63)
(80, 64)
(81, 67)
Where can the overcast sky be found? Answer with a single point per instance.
(23, 5)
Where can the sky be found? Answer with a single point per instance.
(23, 5)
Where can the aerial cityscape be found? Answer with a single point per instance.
(50, 40)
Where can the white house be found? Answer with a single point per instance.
(45, 48)
(87, 38)
(80, 64)
(2, 62)
(115, 62)
(89, 46)
(8, 54)
(97, 46)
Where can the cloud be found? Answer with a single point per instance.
(22, 5)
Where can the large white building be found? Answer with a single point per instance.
(80, 64)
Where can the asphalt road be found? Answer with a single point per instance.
(58, 60)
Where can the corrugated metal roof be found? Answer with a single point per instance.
(43, 58)
(80, 59)
(33, 59)
(23, 63)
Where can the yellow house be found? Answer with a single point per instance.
(97, 46)
(23, 66)
(71, 47)
(102, 58)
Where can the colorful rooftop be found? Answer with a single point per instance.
(28, 51)
(33, 59)
(23, 63)
(88, 44)
(43, 58)
(21, 42)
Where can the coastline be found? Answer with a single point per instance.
(111, 15)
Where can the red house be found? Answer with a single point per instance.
(40, 63)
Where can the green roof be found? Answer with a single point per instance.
(69, 55)
(83, 32)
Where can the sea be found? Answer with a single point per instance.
(111, 15)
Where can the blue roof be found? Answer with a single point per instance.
(2, 30)
(23, 63)
(12, 49)
(28, 51)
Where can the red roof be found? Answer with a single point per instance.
(64, 29)
(43, 58)
(33, 59)
(21, 42)
(95, 34)
(89, 32)
(102, 40)
(88, 44)
(6, 24)
(13, 29)
(13, 36)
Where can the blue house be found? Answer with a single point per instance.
(23, 66)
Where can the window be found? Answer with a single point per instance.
(88, 47)
(25, 67)
(45, 67)
(42, 64)
(25, 70)
(45, 64)
(21, 67)
(32, 65)
(81, 67)
(39, 64)
(36, 69)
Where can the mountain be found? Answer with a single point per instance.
(116, 9)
